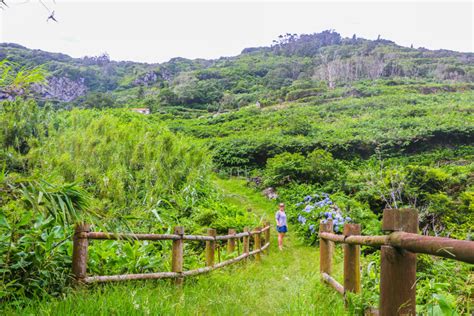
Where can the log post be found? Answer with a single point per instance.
(246, 242)
(79, 252)
(267, 236)
(177, 255)
(326, 248)
(257, 243)
(351, 261)
(398, 266)
(231, 242)
(210, 248)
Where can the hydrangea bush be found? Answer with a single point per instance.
(319, 207)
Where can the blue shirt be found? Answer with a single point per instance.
(280, 218)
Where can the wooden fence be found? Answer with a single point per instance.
(83, 234)
(397, 259)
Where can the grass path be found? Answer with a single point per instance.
(284, 283)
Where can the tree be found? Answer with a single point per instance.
(167, 97)
(140, 92)
(97, 100)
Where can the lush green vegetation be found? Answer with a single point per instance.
(361, 124)
(295, 67)
(114, 169)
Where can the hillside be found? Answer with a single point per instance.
(293, 68)
(333, 127)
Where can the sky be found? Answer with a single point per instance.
(155, 31)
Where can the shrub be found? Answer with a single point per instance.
(318, 167)
(285, 168)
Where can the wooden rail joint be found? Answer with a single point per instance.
(79, 252)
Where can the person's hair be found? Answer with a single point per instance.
(281, 204)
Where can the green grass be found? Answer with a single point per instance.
(237, 192)
(284, 282)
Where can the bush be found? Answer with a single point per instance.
(318, 167)
(285, 168)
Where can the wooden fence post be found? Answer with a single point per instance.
(79, 252)
(231, 242)
(177, 255)
(210, 248)
(246, 242)
(351, 261)
(326, 248)
(398, 266)
(257, 243)
(267, 236)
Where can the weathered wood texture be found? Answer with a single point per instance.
(246, 241)
(257, 243)
(210, 247)
(127, 236)
(375, 241)
(403, 220)
(267, 235)
(398, 267)
(79, 252)
(332, 282)
(177, 254)
(326, 248)
(352, 261)
(460, 250)
(231, 242)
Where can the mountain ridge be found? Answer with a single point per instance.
(259, 74)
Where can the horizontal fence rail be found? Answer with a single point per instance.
(170, 275)
(398, 258)
(460, 250)
(83, 235)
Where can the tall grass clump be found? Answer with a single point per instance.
(118, 171)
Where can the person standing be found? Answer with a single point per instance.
(282, 228)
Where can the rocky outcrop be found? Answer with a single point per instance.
(270, 193)
(146, 79)
(61, 89)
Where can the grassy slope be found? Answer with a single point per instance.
(284, 283)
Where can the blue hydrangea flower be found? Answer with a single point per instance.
(312, 229)
(301, 219)
(307, 198)
(308, 208)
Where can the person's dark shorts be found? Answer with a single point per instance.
(282, 229)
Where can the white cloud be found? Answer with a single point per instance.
(157, 31)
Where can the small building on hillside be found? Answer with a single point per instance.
(145, 111)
